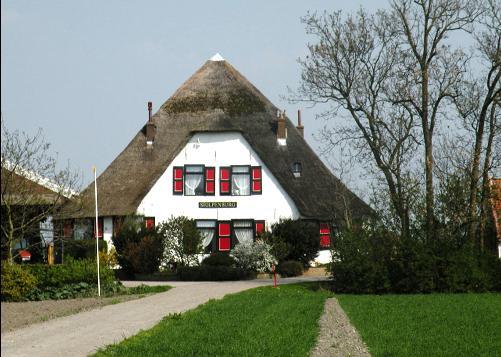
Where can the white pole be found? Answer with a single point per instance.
(97, 235)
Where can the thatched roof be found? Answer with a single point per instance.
(218, 98)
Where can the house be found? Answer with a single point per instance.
(220, 152)
(28, 202)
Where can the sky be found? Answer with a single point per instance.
(83, 71)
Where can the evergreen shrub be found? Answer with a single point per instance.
(369, 260)
(290, 268)
(297, 240)
(219, 259)
(16, 281)
(206, 272)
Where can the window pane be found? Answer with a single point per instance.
(194, 169)
(241, 224)
(240, 185)
(193, 185)
(240, 169)
(206, 224)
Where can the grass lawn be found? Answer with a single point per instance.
(427, 325)
(258, 322)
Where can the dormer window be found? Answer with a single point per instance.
(297, 169)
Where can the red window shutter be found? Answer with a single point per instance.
(224, 244)
(324, 228)
(325, 235)
(224, 180)
(224, 240)
(325, 240)
(256, 179)
(178, 180)
(210, 180)
(99, 227)
(149, 223)
(224, 229)
(209, 173)
(256, 173)
(225, 173)
(259, 227)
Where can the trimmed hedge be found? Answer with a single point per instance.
(290, 268)
(213, 273)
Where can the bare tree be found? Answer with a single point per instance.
(356, 67)
(396, 77)
(32, 187)
(423, 27)
(478, 105)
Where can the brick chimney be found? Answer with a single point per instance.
(281, 129)
(150, 128)
(300, 127)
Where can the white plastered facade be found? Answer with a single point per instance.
(216, 150)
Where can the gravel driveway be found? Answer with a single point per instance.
(83, 333)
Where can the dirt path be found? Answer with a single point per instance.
(338, 337)
(83, 333)
(20, 314)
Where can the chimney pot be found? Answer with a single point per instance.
(150, 127)
(281, 130)
(300, 127)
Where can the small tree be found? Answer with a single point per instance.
(300, 237)
(181, 241)
(32, 187)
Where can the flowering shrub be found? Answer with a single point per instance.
(255, 256)
(181, 242)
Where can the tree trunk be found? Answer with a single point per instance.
(428, 147)
(485, 176)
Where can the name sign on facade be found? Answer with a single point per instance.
(217, 205)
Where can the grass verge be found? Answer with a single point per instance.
(427, 325)
(258, 322)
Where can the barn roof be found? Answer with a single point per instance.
(217, 98)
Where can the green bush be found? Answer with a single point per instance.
(144, 256)
(139, 249)
(16, 282)
(290, 268)
(298, 238)
(79, 249)
(219, 259)
(71, 272)
(213, 273)
(376, 261)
